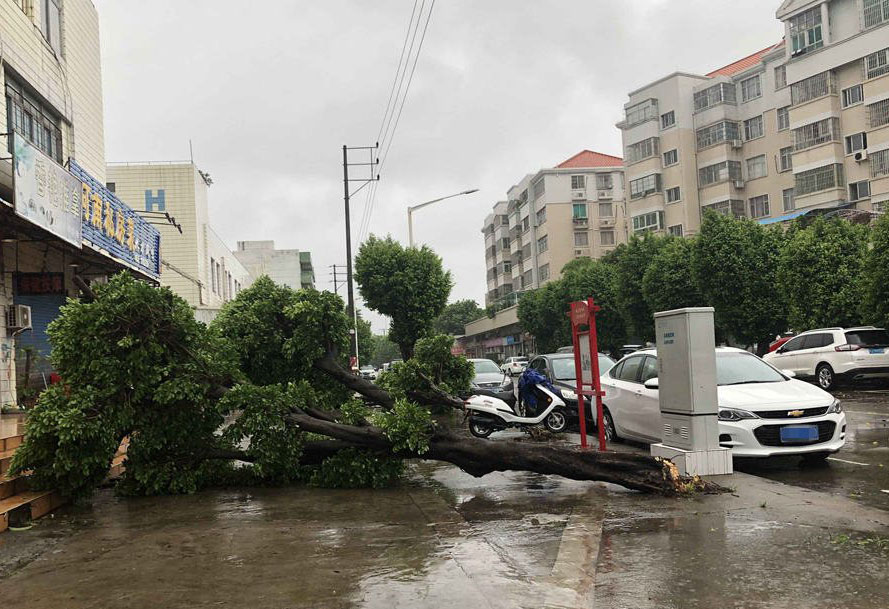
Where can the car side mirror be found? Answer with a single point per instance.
(652, 383)
(789, 373)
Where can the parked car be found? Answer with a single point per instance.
(368, 372)
(514, 366)
(559, 369)
(830, 355)
(773, 346)
(490, 380)
(762, 411)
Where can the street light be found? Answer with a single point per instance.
(410, 211)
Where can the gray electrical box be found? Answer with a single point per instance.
(686, 351)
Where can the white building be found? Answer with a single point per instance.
(292, 268)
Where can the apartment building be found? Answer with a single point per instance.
(792, 129)
(292, 268)
(550, 218)
(57, 221)
(197, 264)
(575, 209)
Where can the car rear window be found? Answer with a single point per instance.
(868, 338)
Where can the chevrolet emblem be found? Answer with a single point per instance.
(795, 413)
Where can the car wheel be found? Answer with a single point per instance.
(825, 377)
(556, 422)
(610, 429)
(480, 429)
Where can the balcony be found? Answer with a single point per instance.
(580, 221)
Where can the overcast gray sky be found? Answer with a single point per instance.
(270, 91)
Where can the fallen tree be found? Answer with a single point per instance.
(262, 397)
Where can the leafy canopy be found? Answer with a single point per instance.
(456, 315)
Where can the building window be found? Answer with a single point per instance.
(787, 198)
(111, 186)
(642, 112)
(606, 209)
(213, 274)
(855, 142)
(541, 216)
(875, 12)
(756, 167)
(504, 243)
(714, 134)
(817, 133)
(780, 77)
(733, 207)
(526, 224)
(542, 244)
(578, 182)
(604, 181)
(753, 128)
(751, 88)
(51, 23)
(816, 180)
(653, 220)
(579, 211)
(878, 114)
(783, 118)
(606, 237)
(759, 206)
(675, 230)
(785, 158)
(507, 266)
(581, 239)
(671, 157)
(539, 187)
(719, 172)
(543, 273)
(813, 87)
(805, 31)
(881, 207)
(853, 95)
(723, 93)
(642, 150)
(877, 64)
(859, 190)
(879, 163)
(668, 119)
(673, 194)
(643, 187)
(32, 120)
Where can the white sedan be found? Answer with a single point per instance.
(762, 411)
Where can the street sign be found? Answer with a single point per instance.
(586, 365)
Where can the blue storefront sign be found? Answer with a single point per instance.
(113, 228)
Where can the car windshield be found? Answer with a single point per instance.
(486, 366)
(367, 368)
(563, 367)
(735, 368)
(868, 338)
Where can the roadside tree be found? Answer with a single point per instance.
(456, 315)
(669, 281)
(875, 308)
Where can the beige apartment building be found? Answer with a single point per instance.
(575, 209)
(197, 264)
(800, 126)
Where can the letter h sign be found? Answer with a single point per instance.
(159, 199)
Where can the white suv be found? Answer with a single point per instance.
(829, 355)
(513, 366)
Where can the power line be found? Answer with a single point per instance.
(388, 146)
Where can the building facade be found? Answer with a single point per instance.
(799, 127)
(58, 223)
(197, 264)
(292, 268)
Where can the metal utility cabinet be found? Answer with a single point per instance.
(686, 350)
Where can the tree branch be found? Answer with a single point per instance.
(333, 369)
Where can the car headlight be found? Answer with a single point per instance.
(835, 408)
(568, 394)
(735, 414)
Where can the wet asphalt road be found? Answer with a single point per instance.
(860, 471)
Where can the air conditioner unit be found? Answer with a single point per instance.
(582, 252)
(737, 143)
(861, 155)
(604, 194)
(578, 195)
(606, 222)
(739, 183)
(18, 317)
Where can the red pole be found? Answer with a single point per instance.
(578, 379)
(597, 385)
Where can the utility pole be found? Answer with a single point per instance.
(337, 268)
(347, 194)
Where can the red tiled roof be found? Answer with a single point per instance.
(588, 158)
(745, 63)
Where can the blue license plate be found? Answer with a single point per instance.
(799, 433)
(877, 350)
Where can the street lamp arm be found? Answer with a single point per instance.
(465, 192)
